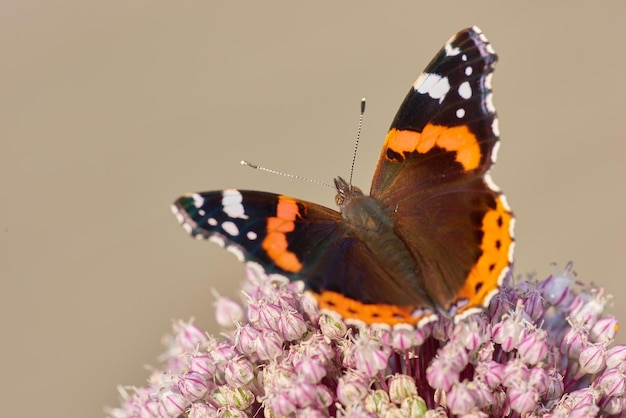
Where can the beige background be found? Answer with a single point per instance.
(110, 110)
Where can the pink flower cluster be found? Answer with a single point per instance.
(541, 349)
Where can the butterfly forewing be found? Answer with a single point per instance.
(432, 175)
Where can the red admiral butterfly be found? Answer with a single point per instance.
(435, 235)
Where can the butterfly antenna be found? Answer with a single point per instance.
(358, 136)
(292, 176)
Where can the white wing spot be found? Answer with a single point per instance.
(251, 235)
(464, 57)
(231, 204)
(460, 113)
(468, 71)
(212, 221)
(434, 85)
(201, 212)
(465, 90)
(450, 51)
(198, 200)
(230, 228)
(188, 228)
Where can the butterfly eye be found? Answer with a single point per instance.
(339, 199)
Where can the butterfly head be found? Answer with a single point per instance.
(345, 192)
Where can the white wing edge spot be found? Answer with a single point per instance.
(198, 201)
(494, 152)
(218, 240)
(427, 320)
(505, 203)
(279, 278)
(512, 246)
(489, 103)
(471, 311)
(483, 38)
(256, 268)
(495, 127)
(179, 216)
(490, 183)
(460, 113)
(236, 251)
(488, 79)
(251, 235)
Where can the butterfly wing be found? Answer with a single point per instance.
(301, 241)
(278, 232)
(432, 176)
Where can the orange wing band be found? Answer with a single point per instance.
(457, 139)
(275, 243)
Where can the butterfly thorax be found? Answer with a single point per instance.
(362, 214)
(367, 220)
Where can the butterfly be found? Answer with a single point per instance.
(433, 237)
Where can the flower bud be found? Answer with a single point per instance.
(377, 402)
(193, 386)
(238, 372)
(291, 325)
(227, 312)
(401, 387)
(172, 404)
(592, 359)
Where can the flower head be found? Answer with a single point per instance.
(542, 348)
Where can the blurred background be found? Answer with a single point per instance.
(110, 110)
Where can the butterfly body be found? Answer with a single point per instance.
(434, 235)
(369, 223)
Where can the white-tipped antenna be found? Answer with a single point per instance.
(292, 176)
(358, 136)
